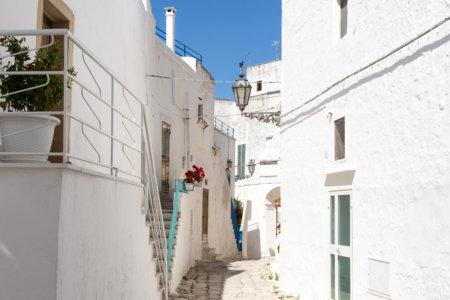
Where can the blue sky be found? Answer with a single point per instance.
(225, 30)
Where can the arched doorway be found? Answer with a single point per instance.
(273, 224)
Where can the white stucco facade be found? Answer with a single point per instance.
(91, 233)
(71, 234)
(262, 142)
(396, 166)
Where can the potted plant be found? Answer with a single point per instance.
(189, 180)
(192, 177)
(199, 174)
(29, 133)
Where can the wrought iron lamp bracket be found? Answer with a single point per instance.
(267, 117)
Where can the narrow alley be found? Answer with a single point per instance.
(227, 280)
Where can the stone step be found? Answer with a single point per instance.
(167, 215)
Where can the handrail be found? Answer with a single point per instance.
(173, 222)
(223, 127)
(109, 107)
(185, 50)
(153, 200)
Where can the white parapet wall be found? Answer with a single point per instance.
(189, 239)
(67, 233)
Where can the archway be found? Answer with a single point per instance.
(273, 224)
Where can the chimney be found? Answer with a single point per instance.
(170, 27)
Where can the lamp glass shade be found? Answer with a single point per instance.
(242, 90)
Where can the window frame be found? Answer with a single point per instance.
(336, 249)
(259, 85)
(336, 132)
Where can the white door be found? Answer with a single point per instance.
(340, 245)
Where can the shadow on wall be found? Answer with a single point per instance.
(254, 242)
(286, 124)
(271, 252)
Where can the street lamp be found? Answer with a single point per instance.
(229, 163)
(241, 90)
(251, 167)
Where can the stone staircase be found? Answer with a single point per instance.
(167, 210)
(209, 254)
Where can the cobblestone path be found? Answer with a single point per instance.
(239, 279)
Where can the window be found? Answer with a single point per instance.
(339, 139)
(343, 18)
(200, 111)
(241, 161)
(259, 86)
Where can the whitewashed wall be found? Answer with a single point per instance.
(103, 247)
(220, 225)
(68, 234)
(29, 219)
(175, 101)
(189, 239)
(262, 144)
(131, 50)
(397, 126)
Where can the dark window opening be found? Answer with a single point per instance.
(339, 139)
(200, 111)
(259, 86)
(344, 17)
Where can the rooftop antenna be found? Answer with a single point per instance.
(275, 44)
(247, 55)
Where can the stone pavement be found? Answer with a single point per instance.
(227, 280)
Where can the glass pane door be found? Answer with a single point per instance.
(340, 246)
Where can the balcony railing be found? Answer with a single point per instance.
(223, 127)
(180, 48)
(104, 124)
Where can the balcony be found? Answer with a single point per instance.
(101, 119)
(223, 127)
(180, 48)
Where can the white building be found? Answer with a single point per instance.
(365, 150)
(259, 141)
(88, 225)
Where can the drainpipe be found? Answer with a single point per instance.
(170, 27)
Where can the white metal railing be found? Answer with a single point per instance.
(105, 129)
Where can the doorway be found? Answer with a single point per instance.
(165, 157)
(205, 212)
(341, 245)
(54, 14)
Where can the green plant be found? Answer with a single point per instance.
(44, 98)
(278, 248)
(277, 277)
(238, 210)
(270, 276)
